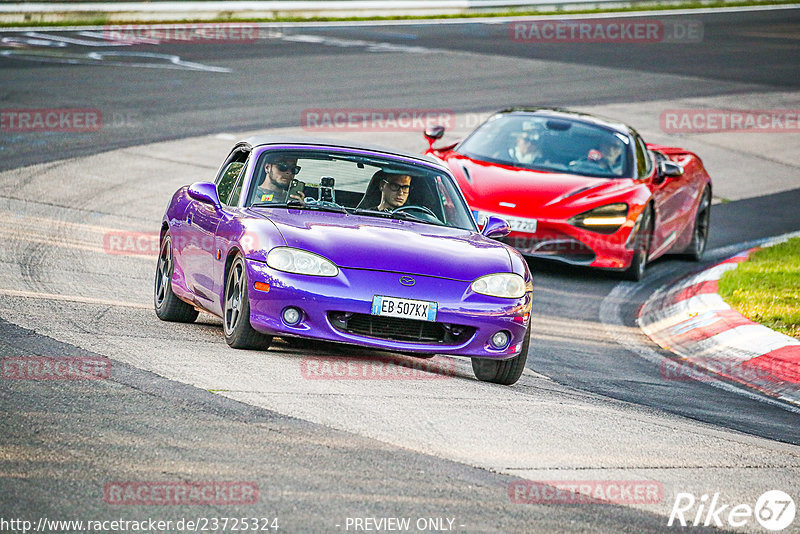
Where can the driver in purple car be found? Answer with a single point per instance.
(394, 190)
(279, 175)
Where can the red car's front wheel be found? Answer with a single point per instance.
(641, 246)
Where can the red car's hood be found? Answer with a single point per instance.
(498, 188)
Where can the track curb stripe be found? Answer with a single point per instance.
(690, 319)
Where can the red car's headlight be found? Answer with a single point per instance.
(603, 220)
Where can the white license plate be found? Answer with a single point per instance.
(422, 310)
(521, 225)
(517, 224)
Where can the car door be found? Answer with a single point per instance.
(665, 195)
(202, 220)
(228, 228)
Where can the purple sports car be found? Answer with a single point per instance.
(301, 238)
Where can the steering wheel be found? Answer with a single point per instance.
(414, 207)
(428, 214)
(588, 165)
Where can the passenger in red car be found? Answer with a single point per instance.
(527, 149)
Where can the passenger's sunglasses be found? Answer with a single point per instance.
(397, 187)
(283, 167)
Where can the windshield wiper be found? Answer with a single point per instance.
(401, 215)
(296, 204)
(376, 213)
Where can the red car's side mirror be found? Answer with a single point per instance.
(668, 169)
(433, 133)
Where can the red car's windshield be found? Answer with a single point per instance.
(550, 144)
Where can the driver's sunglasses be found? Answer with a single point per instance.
(283, 167)
(397, 187)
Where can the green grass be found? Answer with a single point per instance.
(656, 6)
(766, 288)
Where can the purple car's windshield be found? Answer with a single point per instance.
(550, 144)
(359, 184)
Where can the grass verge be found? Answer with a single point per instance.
(704, 4)
(766, 288)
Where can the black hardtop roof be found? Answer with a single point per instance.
(265, 140)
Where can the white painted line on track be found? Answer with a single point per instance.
(71, 298)
(81, 42)
(100, 58)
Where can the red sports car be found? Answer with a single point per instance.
(581, 189)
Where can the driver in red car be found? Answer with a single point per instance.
(607, 154)
(394, 190)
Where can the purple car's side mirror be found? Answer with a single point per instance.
(205, 192)
(496, 227)
(432, 133)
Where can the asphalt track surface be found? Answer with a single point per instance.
(63, 441)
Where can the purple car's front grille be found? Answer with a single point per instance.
(396, 329)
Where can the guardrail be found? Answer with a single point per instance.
(201, 10)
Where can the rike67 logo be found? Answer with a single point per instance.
(774, 510)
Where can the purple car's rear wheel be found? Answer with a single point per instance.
(168, 306)
(505, 372)
(239, 334)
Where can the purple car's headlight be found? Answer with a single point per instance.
(503, 285)
(297, 261)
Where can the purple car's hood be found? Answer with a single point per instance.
(360, 242)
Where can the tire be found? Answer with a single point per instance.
(239, 334)
(641, 247)
(702, 222)
(167, 305)
(505, 372)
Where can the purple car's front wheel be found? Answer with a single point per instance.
(239, 334)
(505, 372)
